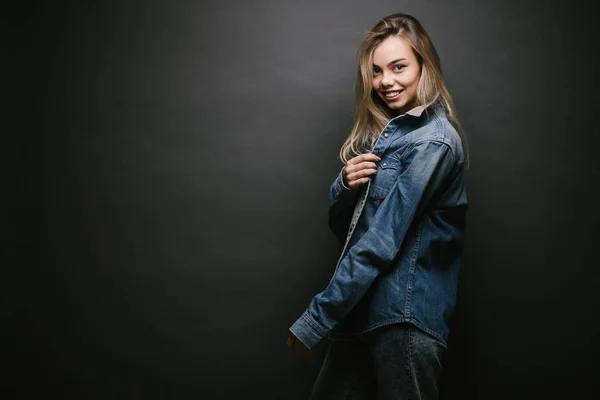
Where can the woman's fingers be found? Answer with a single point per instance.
(358, 183)
(360, 176)
(357, 179)
(297, 346)
(362, 165)
(362, 171)
(358, 169)
(300, 348)
(364, 157)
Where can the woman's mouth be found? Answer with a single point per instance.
(392, 94)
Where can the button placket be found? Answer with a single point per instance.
(356, 215)
(378, 149)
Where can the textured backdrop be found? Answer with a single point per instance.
(166, 168)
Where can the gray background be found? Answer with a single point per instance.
(166, 167)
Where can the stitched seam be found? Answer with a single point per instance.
(313, 324)
(430, 140)
(410, 364)
(411, 272)
(401, 320)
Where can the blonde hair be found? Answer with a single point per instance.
(371, 113)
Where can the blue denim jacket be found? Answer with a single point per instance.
(402, 233)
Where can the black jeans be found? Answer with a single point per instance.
(397, 361)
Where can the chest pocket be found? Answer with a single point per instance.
(385, 177)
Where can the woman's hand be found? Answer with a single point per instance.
(358, 169)
(297, 346)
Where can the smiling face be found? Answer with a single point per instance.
(396, 73)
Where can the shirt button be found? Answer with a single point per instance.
(385, 134)
(384, 164)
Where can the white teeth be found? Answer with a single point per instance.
(391, 94)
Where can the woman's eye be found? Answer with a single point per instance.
(376, 70)
(399, 67)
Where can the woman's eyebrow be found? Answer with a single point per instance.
(392, 62)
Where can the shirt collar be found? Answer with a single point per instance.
(416, 112)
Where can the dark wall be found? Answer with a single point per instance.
(19, 197)
(183, 155)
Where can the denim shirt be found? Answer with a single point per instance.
(402, 232)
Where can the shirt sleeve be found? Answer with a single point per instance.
(425, 166)
(341, 207)
(341, 178)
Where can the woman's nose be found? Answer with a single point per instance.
(386, 80)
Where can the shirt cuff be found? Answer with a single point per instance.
(339, 188)
(308, 331)
(342, 180)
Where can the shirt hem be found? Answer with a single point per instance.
(412, 321)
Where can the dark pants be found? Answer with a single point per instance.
(397, 361)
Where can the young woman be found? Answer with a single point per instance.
(399, 208)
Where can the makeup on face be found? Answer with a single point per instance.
(396, 73)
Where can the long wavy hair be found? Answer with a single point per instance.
(371, 113)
